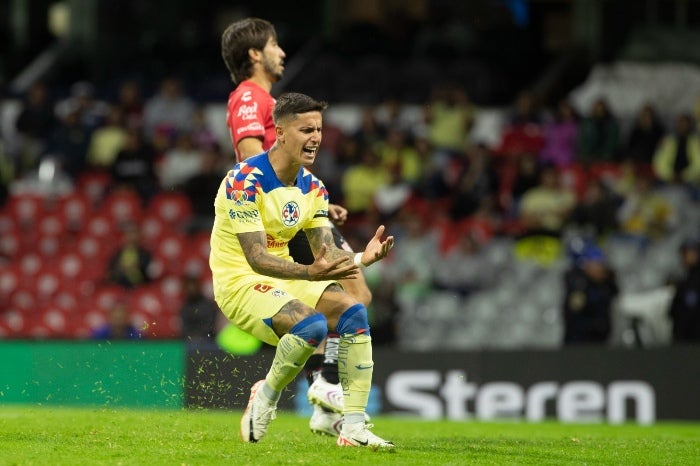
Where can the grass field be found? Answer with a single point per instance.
(35, 435)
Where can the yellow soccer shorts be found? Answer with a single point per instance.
(247, 301)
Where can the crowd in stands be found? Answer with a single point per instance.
(83, 172)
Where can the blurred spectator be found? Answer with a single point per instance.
(525, 177)
(645, 213)
(596, 213)
(391, 114)
(202, 134)
(179, 163)
(198, 314)
(35, 123)
(202, 187)
(91, 112)
(134, 166)
(476, 182)
(390, 197)
(526, 110)
(170, 109)
(361, 181)
(463, 269)
(118, 325)
(545, 207)
(130, 103)
(396, 153)
(644, 137)
(590, 291)
(370, 130)
(685, 306)
(411, 270)
(106, 141)
(599, 136)
(523, 131)
(69, 144)
(560, 136)
(449, 116)
(678, 156)
(129, 264)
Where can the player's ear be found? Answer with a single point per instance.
(279, 133)
(254, 54)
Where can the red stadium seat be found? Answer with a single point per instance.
(106, 296)
(201, 243)
(7, 221)
(146, 300)
(71, 267)
(25, 209)
(16, 322)
(53, 224)
(47, 284)
(11, 243)
(93, 185)
(75, 209)
(29, 265)
(123, 206)
(169, 253)
(55, 320)
(48, 246)
(101, 226)
(152, 230)
(173, 208)
(10, 279)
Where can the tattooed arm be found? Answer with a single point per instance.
(376, 249)
(254, 245)
(323, 236)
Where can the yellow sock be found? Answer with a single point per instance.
(355, 367)
(290, 357)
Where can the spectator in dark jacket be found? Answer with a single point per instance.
(590, 290)
(685, 306)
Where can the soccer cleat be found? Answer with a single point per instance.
(327, 395)
(257, 415)
(359, 435)
(324, 422)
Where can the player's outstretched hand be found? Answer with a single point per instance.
(377, 249)
(336, 269)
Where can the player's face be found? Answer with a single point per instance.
(273, 59)
(303, 137)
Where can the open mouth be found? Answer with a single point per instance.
(310, 150)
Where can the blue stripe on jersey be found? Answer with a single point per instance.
(246, 175)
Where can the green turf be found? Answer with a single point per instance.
(67, 436)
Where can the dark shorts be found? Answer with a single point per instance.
(300, 250)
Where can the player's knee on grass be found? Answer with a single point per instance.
(312, 329)
(353, 321)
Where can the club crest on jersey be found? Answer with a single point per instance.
(239, 197)
(290, 214)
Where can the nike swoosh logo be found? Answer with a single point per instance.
(363, 367)
(364, 444)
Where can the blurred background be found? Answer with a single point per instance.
(537, 160)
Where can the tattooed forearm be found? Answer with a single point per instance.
(320, 236)
(254, 247)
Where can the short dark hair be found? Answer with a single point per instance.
(294, 103)
(238, 38)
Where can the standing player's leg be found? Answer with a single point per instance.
(355, 367)
(321, 369)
